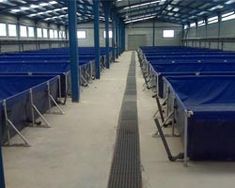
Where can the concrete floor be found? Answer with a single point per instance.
(77, 150)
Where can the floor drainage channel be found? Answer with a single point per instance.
(126, 166)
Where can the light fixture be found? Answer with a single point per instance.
(34, 6)
(52, 2)
(230, 2)
(24, 8)
(140, 19)
(15, 10)
(141, 5)
(44, 4)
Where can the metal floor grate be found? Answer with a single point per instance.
(126, 171)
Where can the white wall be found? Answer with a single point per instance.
(147, 29)
(89, 41)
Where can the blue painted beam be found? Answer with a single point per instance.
(73, 45)
(97, 37)
(106, 5)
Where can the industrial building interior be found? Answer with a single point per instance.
(117, 93)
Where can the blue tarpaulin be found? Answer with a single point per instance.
(15, 91)
(211, 127)
(179, 69)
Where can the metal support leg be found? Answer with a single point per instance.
(186, 140)
(56, 104)
(51, 98)
(83, 80)
(172, 158)
(59, 86)
(160, 111)
(34, 109)
(164, 124)
(10, 124)
(48, 93)
(88, 74)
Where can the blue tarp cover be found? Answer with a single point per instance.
(12, 85)
(15, 90)
(180, 69)
(211, 128)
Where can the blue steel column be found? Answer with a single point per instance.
(117, 37)
(106, 12)
(120, 37)
(124, 36)
(121, 31)
(97, 37)
(74, 61)
(113, 38)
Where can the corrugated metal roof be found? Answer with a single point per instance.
(176, 11)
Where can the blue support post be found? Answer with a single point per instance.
(73, 44)
(117, 37)
(121, 31)
(107, 12)
(96, 37)
(113, 38)
(124, 37)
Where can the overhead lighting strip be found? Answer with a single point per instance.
(141, 5)
(140, 19)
